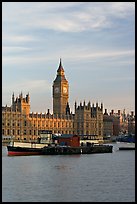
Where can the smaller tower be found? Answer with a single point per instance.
(67, 109)
(102, 106)
(75, 106)
(28, 98)
(89, 105)
(12, 98)
(21, 104)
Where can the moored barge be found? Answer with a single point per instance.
(58, 150)
(126, 148)
(62, 145)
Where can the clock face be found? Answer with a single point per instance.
(56, 89)
(64, 89)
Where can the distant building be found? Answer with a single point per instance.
(131, 123)
(87, 119)
(123, 122)
(107, 125)
(118, 123)
(111, 123)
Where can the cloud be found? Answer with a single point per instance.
(17, 38)
(107, 54)
(32, 86)
(91, 16)
(66, 17)
(16, 41)
(96, 36)
(122, 9)
(14, 49)
(118, 78)
(68, 54)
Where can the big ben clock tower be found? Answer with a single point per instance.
(60, 92)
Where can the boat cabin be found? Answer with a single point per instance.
(67, 140)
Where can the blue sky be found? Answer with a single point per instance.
(95, 40)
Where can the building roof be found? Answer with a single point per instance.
(68, 135)
(65, 136)
(60, 73)
(6, 108)
(60, 67)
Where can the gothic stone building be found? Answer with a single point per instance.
(86, 120)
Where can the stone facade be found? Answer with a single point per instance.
(87, 120)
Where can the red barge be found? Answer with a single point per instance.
(58, 150)
(67, 144)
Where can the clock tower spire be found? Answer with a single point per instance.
(60, 92)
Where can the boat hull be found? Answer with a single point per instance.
(126, 148)
(61, 150)
(23, 151)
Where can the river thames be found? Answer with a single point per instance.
(108, 177)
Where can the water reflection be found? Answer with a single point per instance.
(69, 178)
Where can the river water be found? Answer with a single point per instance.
(108, 177)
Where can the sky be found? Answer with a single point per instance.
(95, 41)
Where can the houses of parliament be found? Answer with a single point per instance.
(87, 119)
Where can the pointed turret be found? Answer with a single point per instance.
(21, 95)
(67, 109)
(27, 98)
(101, 106)
(60, 73)
(89, 105)
(13, 98)
(75, 105)
(60, 70)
